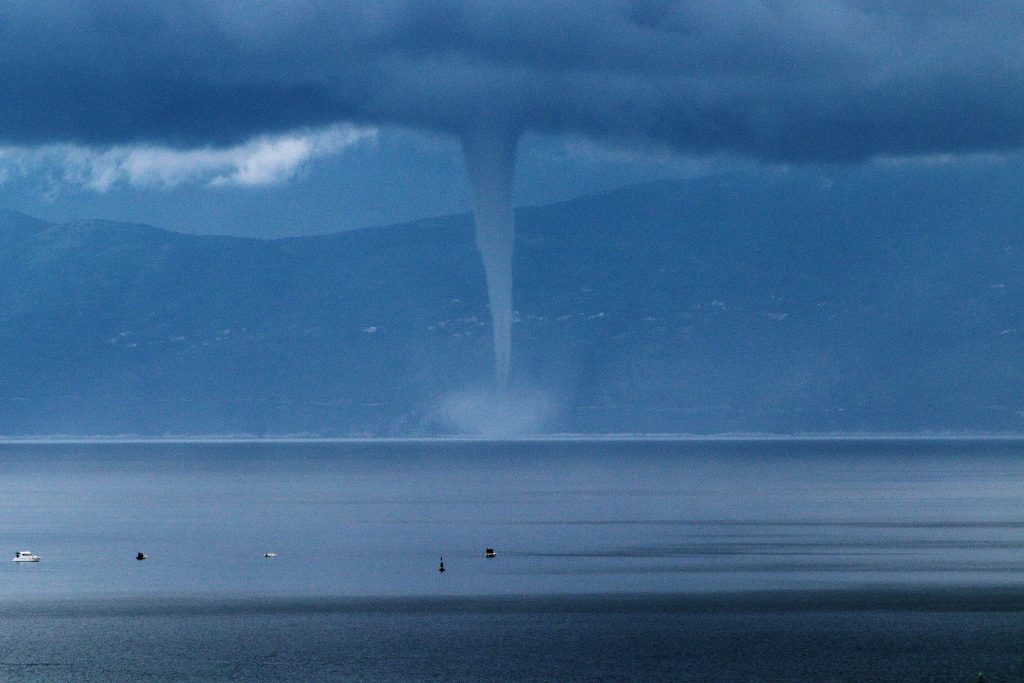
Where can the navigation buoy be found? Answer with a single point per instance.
(441, 568)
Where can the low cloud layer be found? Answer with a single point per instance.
(777, 81)
(265, 160)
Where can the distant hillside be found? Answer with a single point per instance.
(864, 301)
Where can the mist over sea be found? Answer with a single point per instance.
(616, 560)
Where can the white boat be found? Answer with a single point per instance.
(25, 556)
(269, 554)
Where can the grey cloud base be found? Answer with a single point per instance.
(839, 80)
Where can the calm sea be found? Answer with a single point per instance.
(741, 560)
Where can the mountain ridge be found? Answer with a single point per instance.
(815, 302)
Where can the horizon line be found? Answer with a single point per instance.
(526, 438)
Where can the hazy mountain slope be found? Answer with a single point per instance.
(858, 301)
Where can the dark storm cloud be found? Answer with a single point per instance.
(772, 80)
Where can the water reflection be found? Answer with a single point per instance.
(565, 517)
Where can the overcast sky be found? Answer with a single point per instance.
(277, 118)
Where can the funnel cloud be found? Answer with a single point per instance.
(490, 160)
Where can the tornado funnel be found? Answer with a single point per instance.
(490, 162)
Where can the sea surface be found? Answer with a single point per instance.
(617, 560)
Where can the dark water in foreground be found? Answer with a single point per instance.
(730, 561)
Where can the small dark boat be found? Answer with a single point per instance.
(490, 553)
(141, 556)
(441, 568)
